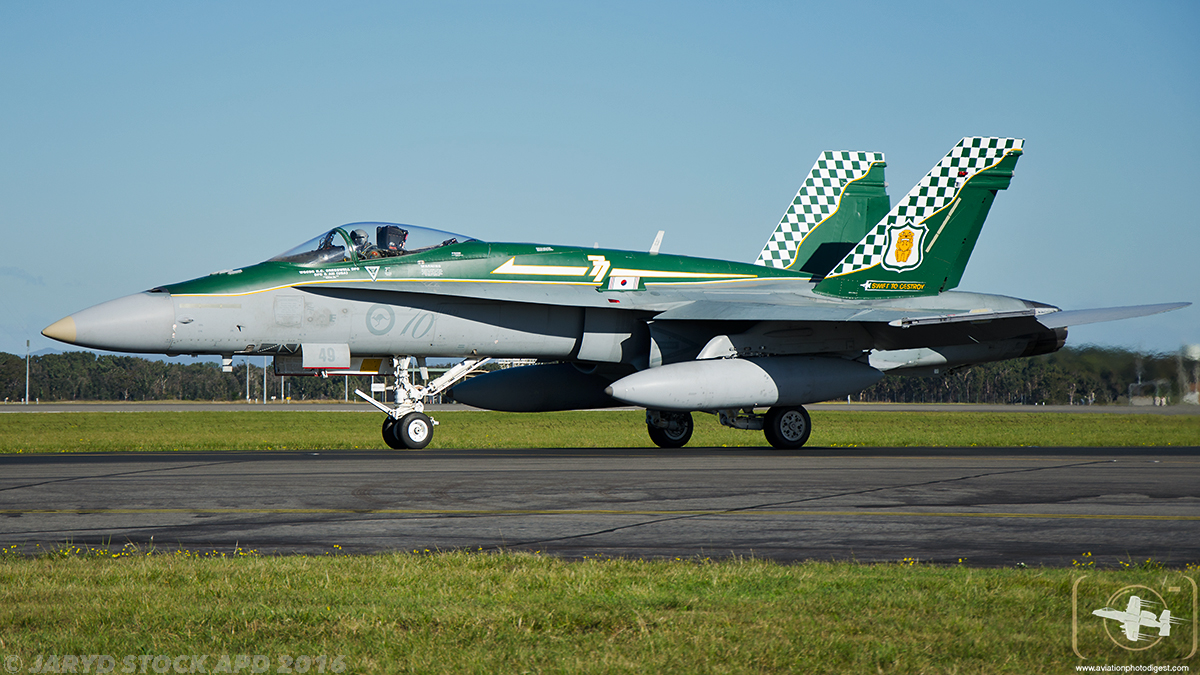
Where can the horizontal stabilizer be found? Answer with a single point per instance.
(1079, 317)
(1164, 623)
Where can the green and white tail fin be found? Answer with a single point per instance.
(924, 243)
(842, 197)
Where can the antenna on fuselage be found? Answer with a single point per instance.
(657, 243)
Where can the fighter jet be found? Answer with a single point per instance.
(847, 289)
(1134, 617)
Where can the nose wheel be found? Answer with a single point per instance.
(413, 431)
(394, 443)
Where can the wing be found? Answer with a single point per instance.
(1134, 607)
(784, 316)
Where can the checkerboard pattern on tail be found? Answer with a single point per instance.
(816, 200)
(935, 191)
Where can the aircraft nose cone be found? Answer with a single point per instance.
(62, 330)
(142, 322)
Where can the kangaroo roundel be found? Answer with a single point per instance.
(904, 246)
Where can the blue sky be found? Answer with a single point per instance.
(146, 143)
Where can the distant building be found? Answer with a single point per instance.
(1191, 394)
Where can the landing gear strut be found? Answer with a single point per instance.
(407, 425)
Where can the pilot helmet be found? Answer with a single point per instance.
(359, 237)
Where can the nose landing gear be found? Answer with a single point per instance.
(407, 425)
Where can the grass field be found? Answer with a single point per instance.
(290, 430)
(489, 613)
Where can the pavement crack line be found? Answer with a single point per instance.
(655, 521)
(121, 473)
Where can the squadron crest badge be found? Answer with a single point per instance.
(904, 246)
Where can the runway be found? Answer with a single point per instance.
(358, 406)
(988, 507)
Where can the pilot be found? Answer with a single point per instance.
(362, 244)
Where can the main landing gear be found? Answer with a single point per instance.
(407, 425)
(669, 429)
(786, 428)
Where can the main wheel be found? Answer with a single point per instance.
(389, 434)
(787, 428)
(678, 431)
(414, 430)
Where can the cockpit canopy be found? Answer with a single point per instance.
(368, 241)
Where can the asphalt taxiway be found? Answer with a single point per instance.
(984, 506)
(358, 406)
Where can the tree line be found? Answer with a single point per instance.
(1073, 375)
(84, 376)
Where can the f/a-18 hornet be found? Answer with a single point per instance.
(847, 289)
